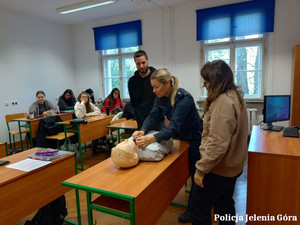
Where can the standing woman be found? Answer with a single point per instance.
(40, 106)
(223, 147)
(185, 123)
(86, 108)
(113, 100)
(67, 100)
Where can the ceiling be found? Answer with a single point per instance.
(46, 9)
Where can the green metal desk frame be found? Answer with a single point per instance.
(75, 130)
(91, 206)
(25, 124)
(110, 127)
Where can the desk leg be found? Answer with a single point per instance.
(6, 150)
(78, 210)
(78, 207)
(80, 149)
(119, 138)
(90, 212)
(79, 144)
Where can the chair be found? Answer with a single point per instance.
(14, 132)
(59, 137)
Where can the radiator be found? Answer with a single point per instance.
(251, 112)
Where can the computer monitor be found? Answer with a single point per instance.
(276, 108)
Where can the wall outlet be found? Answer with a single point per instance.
(14, 103)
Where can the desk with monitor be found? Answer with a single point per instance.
(273, 174)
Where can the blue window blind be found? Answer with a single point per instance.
(120, 35)
(246, 18)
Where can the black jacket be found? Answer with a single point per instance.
(141, 95)
(47, 126)
(185, 122)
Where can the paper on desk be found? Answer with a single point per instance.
(28, 164)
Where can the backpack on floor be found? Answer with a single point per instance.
(50, 214)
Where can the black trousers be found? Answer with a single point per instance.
(217, 192)
(194, 156)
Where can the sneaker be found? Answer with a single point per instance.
(185, 217)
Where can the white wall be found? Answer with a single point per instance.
(86, 58)
(40, 55)
(177, 49)
(34, 55)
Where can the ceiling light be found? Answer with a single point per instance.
(83, 5)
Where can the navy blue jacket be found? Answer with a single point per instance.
(185, 122)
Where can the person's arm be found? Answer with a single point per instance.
(105, 103)
(49, 105)
(182, 109)
(155, 116)
(95, 111)
(131, 92)
(32, 108)
(80, 109)
(63, 105)
(221, 129)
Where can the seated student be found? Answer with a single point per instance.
(113, 100)
(91, 93)
(41, 105)
(85, 108)
(128, 111)
(67, 100)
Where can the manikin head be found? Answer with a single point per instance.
(125, 154)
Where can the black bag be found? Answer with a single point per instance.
(116, 110)
(78, 121)
(50, 214)
(51, 128)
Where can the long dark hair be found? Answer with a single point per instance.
(220, 78)
(91, 94)
(111, 99)
(87, 105)
(71, 100)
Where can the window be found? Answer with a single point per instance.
(244, 54)
(118, 66)
(237, 33)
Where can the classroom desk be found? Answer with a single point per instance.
(126, 125)
(21, 193)
(33, 125)
(3, 149)
(93, 129)
(273, 175)
(140, 194)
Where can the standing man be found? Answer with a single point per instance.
(140, 89)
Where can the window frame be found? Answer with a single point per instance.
(232, 44)
(119, 55)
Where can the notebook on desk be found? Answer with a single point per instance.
(57, 155)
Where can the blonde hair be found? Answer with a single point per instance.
(162, 76)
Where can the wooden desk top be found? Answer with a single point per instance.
(273, 142)
(25, 119)
(108, 177)
(127, 124)
(91, 118)
(8, 175)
